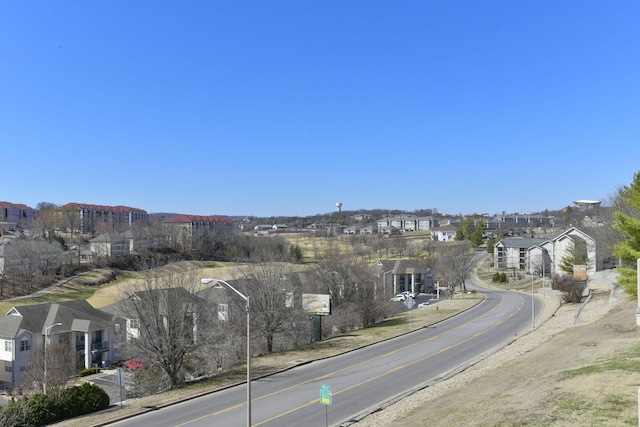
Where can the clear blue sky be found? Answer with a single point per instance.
(274, 108)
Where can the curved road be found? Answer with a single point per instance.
(360, 381)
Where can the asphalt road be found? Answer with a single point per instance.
(359, 381)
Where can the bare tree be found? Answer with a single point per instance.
(45, 222)
(352, 287)
(25, 260)
(456, 264)
(337, 273)
(269, 291)
(70, 220)
(571, 289)
(53, 369)
(166, 320)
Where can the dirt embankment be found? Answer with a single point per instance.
(565, 373)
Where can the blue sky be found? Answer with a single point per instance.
(283, 108)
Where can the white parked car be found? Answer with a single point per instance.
(398, 298)
(410, 294)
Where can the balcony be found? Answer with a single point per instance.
(99, 347)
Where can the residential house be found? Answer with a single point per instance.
(445, 233)
(262, 229)
(369, 229)
(77, 324)
(543, 256)
(111, 244)
(388, 229)
(403, 275)
(352, 230)
(361, 217)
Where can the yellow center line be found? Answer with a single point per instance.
(331, 374)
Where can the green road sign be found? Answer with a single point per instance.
(325, 394)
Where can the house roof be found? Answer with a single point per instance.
(521, 242)
(9, 326)
(528, 242)
(183, 218)
(90, 207)
(15, 205)
(444, 228)
(159, 297)
(76, 315)
(403, 266)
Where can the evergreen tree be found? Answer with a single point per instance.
(491, 241)
(629, 223)
(477, 235)
(464, 230)
(576, 256)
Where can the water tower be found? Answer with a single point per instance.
(339, 207)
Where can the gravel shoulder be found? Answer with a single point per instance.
(579, 367)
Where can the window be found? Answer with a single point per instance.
(222, 312)
(8, 366)
(7, 345)
(25, 345)
(63, 339)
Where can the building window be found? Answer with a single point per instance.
(8, 366)
(7, 345)
(222, 312)
(25, 345)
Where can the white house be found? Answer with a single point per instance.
(110, 244)
(445, 233)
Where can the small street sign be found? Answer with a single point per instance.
(325, 394)
(410, 303)
(120, 376)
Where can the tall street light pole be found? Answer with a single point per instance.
(533, 305)
(206, 281)
(46, 345)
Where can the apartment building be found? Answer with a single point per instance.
(14, 215)
(96, 219)
(189, 231)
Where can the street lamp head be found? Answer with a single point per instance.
(206, 281)
(48, 328)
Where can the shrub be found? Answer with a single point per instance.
(42, 410)
(571, 289)
(83, 399)
(499, 277)
(89, 371)
(15, 413)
